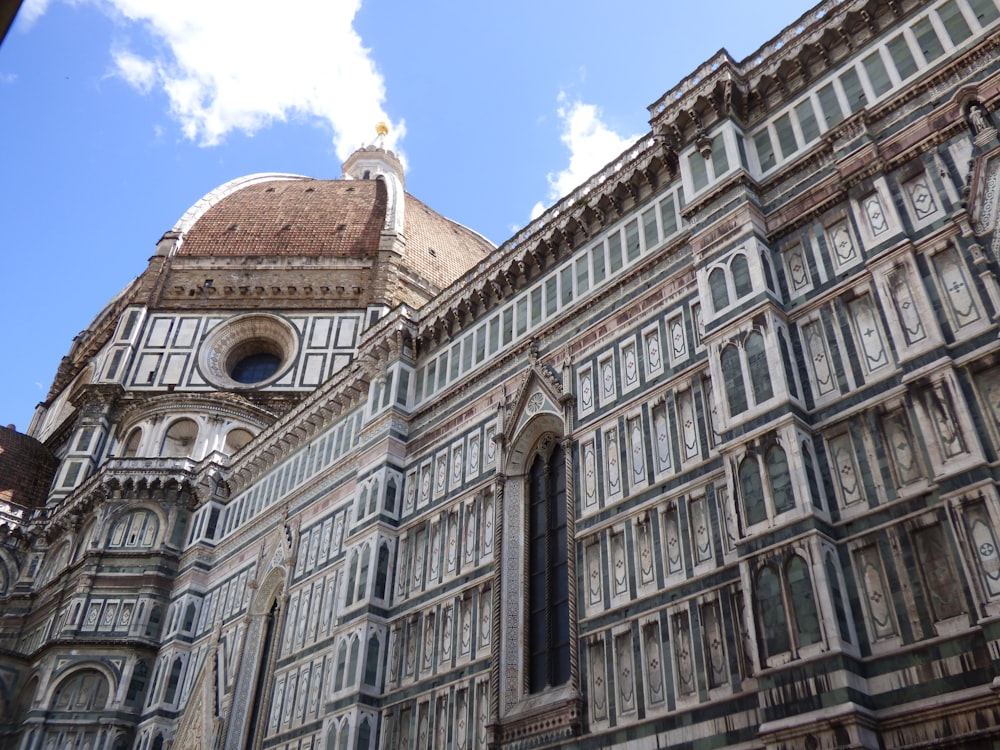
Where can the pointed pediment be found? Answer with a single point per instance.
(198, 723)
(539, 392)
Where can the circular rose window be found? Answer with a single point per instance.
(250, 351)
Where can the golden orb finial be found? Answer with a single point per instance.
(382, 129)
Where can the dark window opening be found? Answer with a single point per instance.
(548, 584)
(255, 368)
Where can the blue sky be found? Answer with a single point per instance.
(117, 115)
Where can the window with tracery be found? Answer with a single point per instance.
(786, 607)
(86, 690)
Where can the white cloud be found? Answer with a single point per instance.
(31, 11)
(591, 144)
(230, 67)
(137, 71)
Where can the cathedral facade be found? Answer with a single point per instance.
(706, 456)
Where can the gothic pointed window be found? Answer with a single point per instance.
(760, 373)
(732, 374)
(803, 602)
(720, 292)
(137, 685)
(774, 626)
(172, 681)
(352, 663)
(382, 571)
(780, 480)
(351, 578)
(548, 585)
(752, 490)
(341, 666)
(371, 661)
(740, 269)
(363, 574)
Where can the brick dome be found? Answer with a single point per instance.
(288, 215)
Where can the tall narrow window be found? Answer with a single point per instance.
(774, 626)
(760, 373)
(717, 285)
(548, 586)
(175, 675)
(741, 276)
(732, 374)
(753, 490)
(778, 476)
(800, 594)
(382, 571)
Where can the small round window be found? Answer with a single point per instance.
(248, 352)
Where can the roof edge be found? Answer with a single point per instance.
(206, 202)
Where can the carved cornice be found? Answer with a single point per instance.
(777, 71)
(181, 480)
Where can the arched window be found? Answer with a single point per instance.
(548, 586)
(774, 626)
(157, 743)
(390, 496)
(371, 661)
(837, 595)
(362, 502)
(25, 697)
(175, 676)
(352, 576)
(382, 571)
(760, 372)
(366, 553)
(236, 439)
(130, 447)
(153, 626)
(188, 617)
(364, 734)
(180, 438)
(752, 490)
(741, 276)
(373, 502)
(352, 662)
(135, 530)
(768, 270)
(732, 374)
(786, 362)
(717, 286)
(810, 462)
(800, 595)
(137, 685)
(341, 665)
(779, 479)
(86, 690)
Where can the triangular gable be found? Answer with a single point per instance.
(199, 723)
(540, 392)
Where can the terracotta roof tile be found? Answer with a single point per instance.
(437, 248)
(293, 217)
